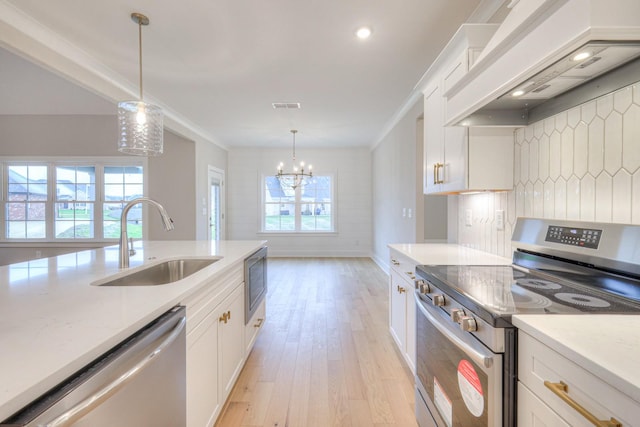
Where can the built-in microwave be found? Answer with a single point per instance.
(255, 277)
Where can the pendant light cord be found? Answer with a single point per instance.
(294, 145)
(140, 54)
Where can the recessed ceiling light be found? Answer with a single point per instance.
(517, 93)
(581, 56)
(363, 33)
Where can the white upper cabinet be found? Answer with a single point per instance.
(456, 158)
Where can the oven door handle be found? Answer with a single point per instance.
(452, 334)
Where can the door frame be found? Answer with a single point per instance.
(214, 173)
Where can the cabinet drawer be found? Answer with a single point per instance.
(255, 325)
(532, 412)
(403, 266)
(538, 363)
(206, 299)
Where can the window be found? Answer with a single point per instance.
(121, 184)
(26, 201)
(75, 202)
(69, 200)
(308, 208)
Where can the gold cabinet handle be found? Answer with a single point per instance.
(436, 178)
(401, 289)
(225, 317)
(410, 274)
(435, 173)
(562, 391)
(259, 324)
(394, 262)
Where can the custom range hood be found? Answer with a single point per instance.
(593, 70)
(548, 56)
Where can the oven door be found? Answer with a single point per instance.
(458, 379)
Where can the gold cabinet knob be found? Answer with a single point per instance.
(259, 324)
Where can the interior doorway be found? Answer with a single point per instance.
(216, 229)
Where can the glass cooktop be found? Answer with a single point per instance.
(498, 291)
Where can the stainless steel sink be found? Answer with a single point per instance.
(159, 274)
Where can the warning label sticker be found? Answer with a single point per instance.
(442, 402)
(470, 388)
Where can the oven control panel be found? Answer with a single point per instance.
(582, 237)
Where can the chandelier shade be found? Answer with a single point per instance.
(140, 128)
(140, 124)
(297, 177)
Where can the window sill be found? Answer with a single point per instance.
(299, 233)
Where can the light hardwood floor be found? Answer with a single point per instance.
(325, 356)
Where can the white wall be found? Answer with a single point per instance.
(352, 169)
(397, 188)
(581, 164)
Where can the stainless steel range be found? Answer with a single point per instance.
(466, 371)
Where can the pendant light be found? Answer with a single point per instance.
(140, 123)
(298, 176)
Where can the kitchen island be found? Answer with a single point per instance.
(54, 321)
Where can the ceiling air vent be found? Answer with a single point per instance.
(286, 105)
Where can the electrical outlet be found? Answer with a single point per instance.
(404, 212)
(410, 213)
(468, 218)
(500, 219)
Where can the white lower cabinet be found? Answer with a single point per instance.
(402, 308)
(203, 398)
(556, 391)
(216, 345)
(231, 339)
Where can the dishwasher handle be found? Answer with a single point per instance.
(91, 402)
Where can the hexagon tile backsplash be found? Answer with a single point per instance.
(582, 164)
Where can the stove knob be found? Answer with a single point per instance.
(424, 288)
(417, 283)
(457, 314)
(468, 324)
(438, 300)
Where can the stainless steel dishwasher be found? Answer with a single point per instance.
(141, 382)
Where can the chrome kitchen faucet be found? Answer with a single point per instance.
(124, 250)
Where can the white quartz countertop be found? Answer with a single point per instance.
(447, 254)
(605, 345)
(53, 321)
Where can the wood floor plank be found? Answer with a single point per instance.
(324, 356)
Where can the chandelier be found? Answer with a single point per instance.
(140, 123)
(298, 176)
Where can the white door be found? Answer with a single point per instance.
(216, 204)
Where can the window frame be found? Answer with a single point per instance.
(100, 163)
(298, 207)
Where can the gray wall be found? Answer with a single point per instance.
(177, 178)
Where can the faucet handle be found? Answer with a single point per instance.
(131, 250)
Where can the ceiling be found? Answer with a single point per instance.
(217, 66)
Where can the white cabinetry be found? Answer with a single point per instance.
(216, 345)
(254, 326)
(458, 158)
(231, 352)
(402, 308)
(548, 382)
